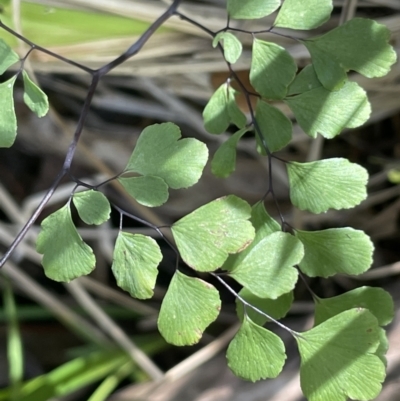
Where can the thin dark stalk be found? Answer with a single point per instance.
(80, 183)
(195, 23)
(241, 299)
(107, 180)
(94, 186)
(148, 224)
(285, 36)
(44, 50)
(32, 219)
(271, 189)
(269, 30)
(247, 31)
(84, 113)
(312, 293)
(137, 46)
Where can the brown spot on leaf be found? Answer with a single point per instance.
(245, 245)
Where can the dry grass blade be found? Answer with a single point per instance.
(39, 294)
(113, 330)
(159, 390)
(107, 293)
(380, 272)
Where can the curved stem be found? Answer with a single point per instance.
(44, 50)
(244, 302)
(137, 46)
(148, 224)
(195, 23)
(32, 219)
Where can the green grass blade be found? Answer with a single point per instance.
(14, 342)
(111, 382)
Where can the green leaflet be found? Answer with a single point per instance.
(188, 308)
(160, 152)
(275, 308)
(320, 111)
(275, 127)
(272, 69)
(359, 44)
(266, 269)
(65, 255)
(231, 44)
(305, 81)
(264, 225)
(335, 250)
(251, 9)
(327, 184)
(148, 190)
(334, 76)
(92, 206)
(338, 358)
(8, 57)
(8, 121)
(222, 110)
(34, 97)
(163, 161)
(262, 221)
(305, 14)
(224, 160)
(255, 353)
(236, 115)
(376, 300)
(208, 235)
(135, 261)
(215, 114)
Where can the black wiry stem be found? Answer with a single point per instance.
(244, 302)
(44, 50)
(32, 219)
(148, 224)
(137, 46)
(195, 23)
